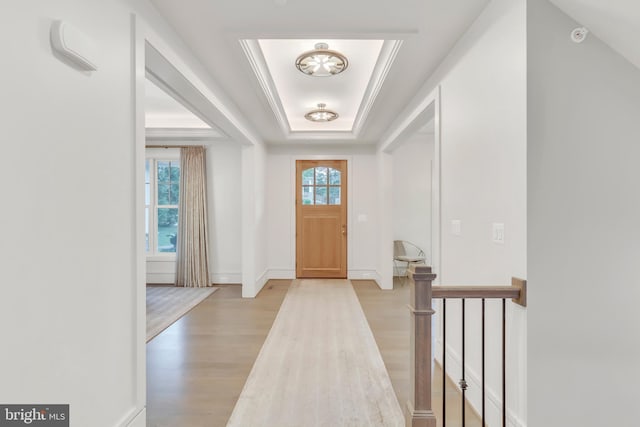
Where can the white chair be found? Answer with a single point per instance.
(406, 253)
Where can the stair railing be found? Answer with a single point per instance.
(422, 292)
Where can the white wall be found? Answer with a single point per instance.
(225, 205)
(260, 197)
(254, 219)
(384, 185)
(584, 238)
(281, 216)
(480, 166)
(68, 316)
(483, 181)
(73, 307)
(412, 192)
(361, 209)
(363, 224)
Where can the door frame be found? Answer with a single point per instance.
(428, 109)
(292, 196)
(342, 207)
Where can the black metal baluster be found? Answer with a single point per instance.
(444, 361)
(504, 364)
(483, 398)
(463, 382)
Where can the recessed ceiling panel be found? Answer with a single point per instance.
(299, 93)
(292, 94)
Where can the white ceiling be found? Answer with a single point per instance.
(217, 31)
(616, 22)
(224, 34)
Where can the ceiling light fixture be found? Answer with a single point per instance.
(322, 62)
(321, 114)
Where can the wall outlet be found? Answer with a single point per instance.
(456, 227)
(498, 233)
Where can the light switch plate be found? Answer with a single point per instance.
(498, 233)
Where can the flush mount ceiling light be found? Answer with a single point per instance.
(322, 62)
(321, 114)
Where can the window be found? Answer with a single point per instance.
(321, 186)
(162, 192)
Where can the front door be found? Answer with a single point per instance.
(321, 218)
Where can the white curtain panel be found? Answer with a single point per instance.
(192, 255)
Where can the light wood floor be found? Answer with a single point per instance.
(319, 366)
(388, 318)
(197, 367)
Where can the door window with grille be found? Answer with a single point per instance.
(321, 186)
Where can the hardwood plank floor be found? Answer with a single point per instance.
(388, 318)
(197, 367)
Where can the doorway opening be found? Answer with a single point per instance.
(412, 195)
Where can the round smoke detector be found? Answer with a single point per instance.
(579, 34)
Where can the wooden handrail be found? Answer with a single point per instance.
(463, 291)
(517, 291)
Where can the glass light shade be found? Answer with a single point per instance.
(321, 114)
(322, 62)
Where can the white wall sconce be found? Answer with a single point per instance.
(73, 44)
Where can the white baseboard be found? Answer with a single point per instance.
(219, 278)
(164, 272)
(261, 281)
(352, 274)
(167, 278)
(140, 419)
(380, 282)
(290, 274)
(226, 278)
(282, 274)
(378, 279)
(362, 275)
(454, 360)
(135, 417)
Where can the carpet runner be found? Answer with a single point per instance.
(319, 366)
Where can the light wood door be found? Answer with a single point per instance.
(321, 218)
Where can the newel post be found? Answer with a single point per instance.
(420, 413)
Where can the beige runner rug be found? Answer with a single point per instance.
(319, 366)
(166, 304)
